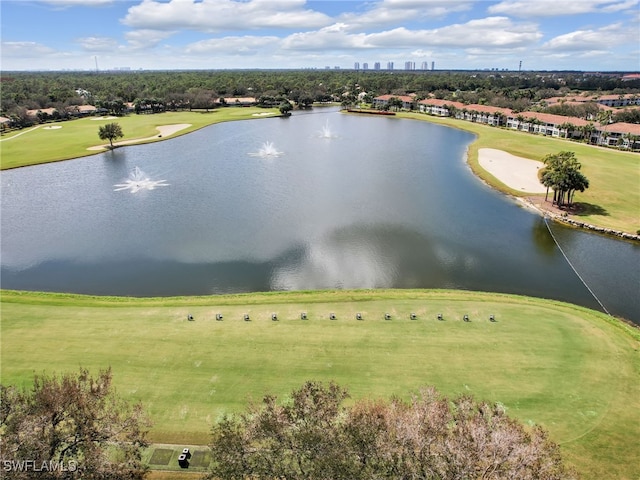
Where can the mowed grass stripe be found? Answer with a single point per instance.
(565, 367)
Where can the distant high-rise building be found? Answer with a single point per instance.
(409, 65)
(376, 66)
(356, 66)
(424, 66)
(389, 65)
(365, 66)
(433, 65)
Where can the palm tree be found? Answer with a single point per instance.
(562, 174)
(605, 117)
(587, 131)
(533, 121)
(575, 181)
(568, 127)
(632, 140)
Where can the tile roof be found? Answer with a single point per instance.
(441, 103)
(488, 109)
(621, 127)
(404, 98)
(552, 119)
(34, 112)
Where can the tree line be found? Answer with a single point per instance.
(75, 426)
(154, 91)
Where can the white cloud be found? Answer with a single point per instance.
(98, 44)
(390, 12)
(140, 39)
(489, 32)
(621, 6)
(223, 15)
(605, 38)
(552, 8)
(245, 45)
(336, 36)
(25, 49)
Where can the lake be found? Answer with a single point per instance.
(319, 200)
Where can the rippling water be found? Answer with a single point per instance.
(347, 202)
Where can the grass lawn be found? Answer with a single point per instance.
(613, 197)
(573, 370)
(41, 145)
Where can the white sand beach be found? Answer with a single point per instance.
(516, 172)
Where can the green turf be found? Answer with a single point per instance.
(613, 197)
(42, 145)
(570, 369)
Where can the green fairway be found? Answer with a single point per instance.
(613, 197)
(570, 369)
(41, 145)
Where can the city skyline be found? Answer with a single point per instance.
(591, 35)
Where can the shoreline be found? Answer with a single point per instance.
(565, 219)
(164, 132)
(496, 183)
(520, 174)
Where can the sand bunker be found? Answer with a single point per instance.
(516, 172)
(104, 118)
(52, 127)
(165, 131)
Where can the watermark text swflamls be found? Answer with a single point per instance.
(39, 466)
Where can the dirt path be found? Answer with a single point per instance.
(18, 134)
(165, 131)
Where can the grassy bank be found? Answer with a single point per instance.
(43, 145)
(571, 369)
(613, 197)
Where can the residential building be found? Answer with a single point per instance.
(624, 135)
(382, 101)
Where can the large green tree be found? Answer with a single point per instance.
(72, 426)
(562, 174)
(110, 131)
(313, 436)
(285, 108)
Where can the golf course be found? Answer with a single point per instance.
(188, 360)
(613, 197)
(572, 370)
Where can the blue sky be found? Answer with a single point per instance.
(601, 35)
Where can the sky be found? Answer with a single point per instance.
(588, 35)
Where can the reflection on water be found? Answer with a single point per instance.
(542, 240)
(385, 203)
